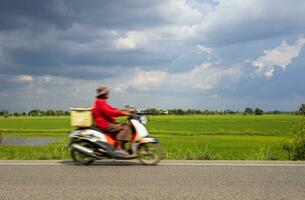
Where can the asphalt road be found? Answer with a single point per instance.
(169, 180)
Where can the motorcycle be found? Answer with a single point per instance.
(90, 144)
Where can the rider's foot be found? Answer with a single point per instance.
(121, 151)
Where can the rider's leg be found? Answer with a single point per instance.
(122, 133)
(123, 136)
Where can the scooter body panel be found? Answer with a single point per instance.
(89, 134)
(141, 131)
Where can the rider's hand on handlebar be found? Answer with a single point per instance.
(126, 113)
(131, 110)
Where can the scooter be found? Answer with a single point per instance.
(90, 144)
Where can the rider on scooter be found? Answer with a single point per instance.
(105, 115)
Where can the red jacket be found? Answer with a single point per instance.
(104, 114)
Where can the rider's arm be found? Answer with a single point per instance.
(106, 109)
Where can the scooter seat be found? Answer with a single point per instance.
(96, 129)
(110, 137)
(99, 130)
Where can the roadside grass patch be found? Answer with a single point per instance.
(52, 151)
(225, 147)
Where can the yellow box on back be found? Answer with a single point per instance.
(81, 117)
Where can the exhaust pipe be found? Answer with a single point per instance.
(82, 149)
(91, 153)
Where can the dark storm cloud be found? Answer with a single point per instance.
(42, 37)
(33, 14)
(38, 15)
(52, 61)
(11, 83)
(118, 14)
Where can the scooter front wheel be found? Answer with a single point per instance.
(149, 153)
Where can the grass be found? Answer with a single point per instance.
(53, 151)
(42, 123)
(227, 147)
(182, 137)
(225, 124)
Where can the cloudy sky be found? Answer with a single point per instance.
(203, 54)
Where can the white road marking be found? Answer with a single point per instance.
(37, 164)
(188, 163)
(233, 164)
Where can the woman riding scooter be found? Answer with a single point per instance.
(105, 116)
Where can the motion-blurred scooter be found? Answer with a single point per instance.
(90, 144)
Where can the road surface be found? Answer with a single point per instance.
(169, 180)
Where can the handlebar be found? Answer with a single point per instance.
(136, 115)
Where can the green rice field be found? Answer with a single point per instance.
(237, 137)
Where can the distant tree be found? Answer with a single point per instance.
(35, 112)
(50, 112)
(16, 114)
(152, 111)
(248, 111)
(59, 112)
(176, 112)
(180, 112)
(228, 111)
(302, 109)
(5, 113)
(198, 112)
(206, 112)
(258, 111)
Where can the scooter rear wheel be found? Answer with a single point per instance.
(150, 153)
(81, 158)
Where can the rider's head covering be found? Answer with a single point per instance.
(101, 90)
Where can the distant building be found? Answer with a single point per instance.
(153, 111)
(164, 112)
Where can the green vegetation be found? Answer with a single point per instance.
(256, 137)
(50, 152)
(224, 124)
(302, 109)
(296, 146)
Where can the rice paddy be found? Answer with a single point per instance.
(238, 137)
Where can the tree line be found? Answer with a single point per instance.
(155, 111)
(35, 112)
(247, 111)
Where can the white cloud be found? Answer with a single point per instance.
(133, 40)
(183, 18)
(128, 42)
(25, 78)
(280, 56)
(229, 21)
(204, 49)
(16, 79)
(204, 77)
(179, 11)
